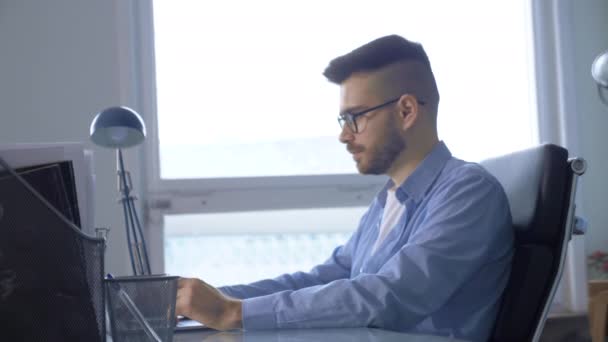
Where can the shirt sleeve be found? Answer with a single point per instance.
(338, 266)
(468, 225)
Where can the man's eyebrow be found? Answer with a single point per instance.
(352, 109)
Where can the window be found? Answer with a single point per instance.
(247, 125)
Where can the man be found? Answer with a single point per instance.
(433, 252)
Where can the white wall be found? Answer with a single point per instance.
(58, 67)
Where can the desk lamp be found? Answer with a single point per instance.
(119, 128)
(599, 71)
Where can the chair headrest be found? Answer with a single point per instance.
(535, 181)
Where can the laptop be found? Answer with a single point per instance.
(187, 324)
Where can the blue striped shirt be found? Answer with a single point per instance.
(440, 271)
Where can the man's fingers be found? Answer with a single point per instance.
(181, 282)
(184, 294)
(182, 307)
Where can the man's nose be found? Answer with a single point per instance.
(346, 135)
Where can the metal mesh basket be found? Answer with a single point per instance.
(153, 296)
(51, 273)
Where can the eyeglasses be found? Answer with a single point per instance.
(354, 120)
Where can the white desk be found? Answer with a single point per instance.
(306, 335)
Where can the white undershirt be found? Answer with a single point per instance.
(393, 209)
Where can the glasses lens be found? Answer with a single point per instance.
(350, 122)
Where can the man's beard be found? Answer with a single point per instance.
(383, 154)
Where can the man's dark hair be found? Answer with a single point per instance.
(417, 78)
(375, 55)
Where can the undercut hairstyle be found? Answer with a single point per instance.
(383, 52)
(375, 55)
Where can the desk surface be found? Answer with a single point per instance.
(331, 335)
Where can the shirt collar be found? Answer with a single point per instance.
(417, 184)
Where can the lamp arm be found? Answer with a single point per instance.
(139, 262)
(128, 231)
(136, 257)
(143, 238)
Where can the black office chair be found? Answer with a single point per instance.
(540, 184)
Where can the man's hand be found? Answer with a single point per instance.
(204, 303)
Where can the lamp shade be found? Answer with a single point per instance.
(118, 127)
(599, 69)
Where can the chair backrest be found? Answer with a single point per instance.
(540, 183)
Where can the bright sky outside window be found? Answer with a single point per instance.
(240, 90)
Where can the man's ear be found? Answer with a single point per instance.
(408, 110)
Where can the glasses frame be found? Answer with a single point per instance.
(351, 118)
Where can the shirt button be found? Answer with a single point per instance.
(361, 270)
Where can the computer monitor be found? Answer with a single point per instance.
(51, 273)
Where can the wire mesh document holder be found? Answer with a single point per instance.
(51, 274)
(150, 297)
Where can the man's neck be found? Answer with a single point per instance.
(408, 161)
